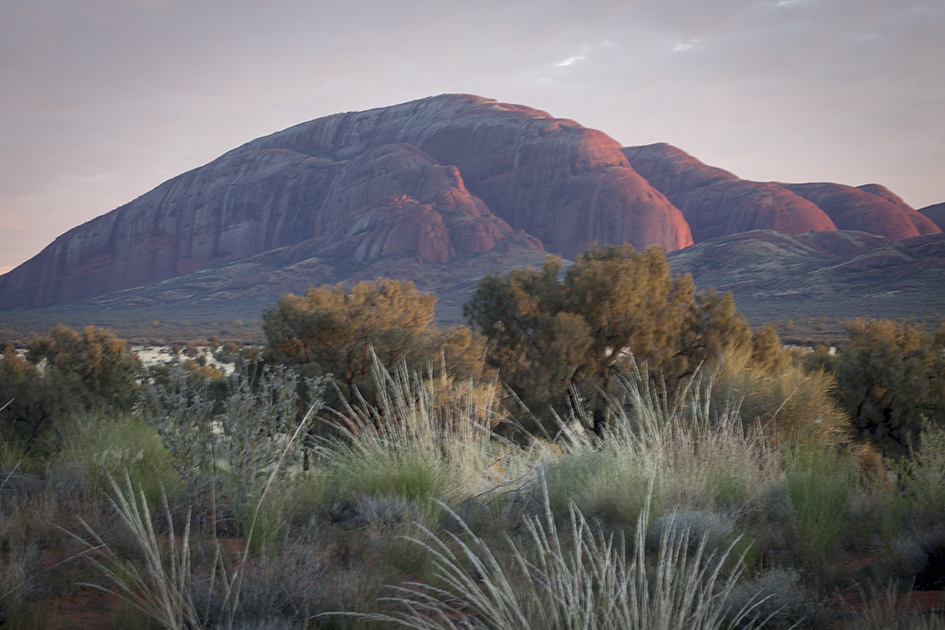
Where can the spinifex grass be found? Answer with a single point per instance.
(427, 437)
(574, 579)
(706, 456)
(163, 590)
(96, 445)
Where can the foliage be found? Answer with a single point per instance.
(63, 372)
(428, 436)
(244, 437)
(331, 331)
(96, 364)
(787, 398)
(820, 481)
(705, 456)
(545, 333)
(891, 378)
(922, 475)
(96, 446)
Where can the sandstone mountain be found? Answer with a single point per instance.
(716, 202)
(439, 190)
(433, 178)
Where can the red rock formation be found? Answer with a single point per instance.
(671, 170)
(935, 213)
(391, 200)
(871, 208)
(364, 185)
(741, 206)
(565, 184)
(716, 203)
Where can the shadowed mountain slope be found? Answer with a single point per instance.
(837, 274)
(935, 213)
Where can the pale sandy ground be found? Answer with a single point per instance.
(157, 355)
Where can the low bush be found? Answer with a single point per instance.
(820, 480)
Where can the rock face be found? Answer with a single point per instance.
(871, 208)
(434, 178)
(935, 213)
(438, 181)
(565, 184)
(716, 203)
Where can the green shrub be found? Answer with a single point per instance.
(820, 481)
(237, 446)
(601, 485)
(922, 474)
(891, 379)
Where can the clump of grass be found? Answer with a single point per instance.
(890, 610)
(97, 445)
(573, 580)
(426, 438)
(708, 457)
(922, 474)
(163, 590)
(787, 399)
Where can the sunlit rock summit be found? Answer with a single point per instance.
(427, 186)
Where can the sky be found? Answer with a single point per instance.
(102, 100)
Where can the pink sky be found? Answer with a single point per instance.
(102, 100)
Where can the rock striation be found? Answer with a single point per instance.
(435, 179)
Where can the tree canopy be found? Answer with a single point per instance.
(331, 331)
(65, 371)
(891, 379)
(546, 332)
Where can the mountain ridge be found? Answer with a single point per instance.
(432, 188)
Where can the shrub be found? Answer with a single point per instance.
(819, 480)
(546, 332)
(242, 441)
(79, 372)
(891, 379)
(922, 475)
(97, 445)
(779, 600)
(341, 334)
